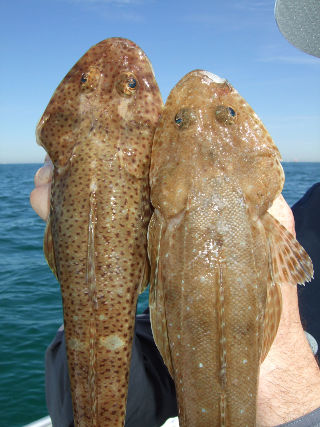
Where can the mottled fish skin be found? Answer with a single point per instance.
(215, 299)
(98, 130)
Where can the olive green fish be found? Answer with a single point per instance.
(217, 256)
(98, 130)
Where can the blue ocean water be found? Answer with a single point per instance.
(30, 301)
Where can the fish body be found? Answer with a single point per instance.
(98, 129)
(215, 299)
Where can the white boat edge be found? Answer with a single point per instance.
(46, 422)
(171, 422)
(42, 422)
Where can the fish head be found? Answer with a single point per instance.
(208, 131)
(109, 97)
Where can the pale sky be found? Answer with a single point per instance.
(236, 39)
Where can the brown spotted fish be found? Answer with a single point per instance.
(217, 256)
(98, 130)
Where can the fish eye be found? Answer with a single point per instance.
(225, 115)
(132, 83)
(184, 118)
(127, 84)
(84, 77)
(89, 80)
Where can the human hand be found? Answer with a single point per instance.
(40, 195)
(289, 383)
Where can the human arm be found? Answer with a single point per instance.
(289, 384)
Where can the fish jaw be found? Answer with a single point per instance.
(98, 130)
(214, 172)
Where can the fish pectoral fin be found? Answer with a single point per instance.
(159, 323)
(156, 295)
(290, 262)
(145, 278)
(48, 248)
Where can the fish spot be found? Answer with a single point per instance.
(112, 342)
(203, 410)
(75, 344)
(200, 365)
(244, 361)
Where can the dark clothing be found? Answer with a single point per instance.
(310, 420)
(307, 218)
(151, 393)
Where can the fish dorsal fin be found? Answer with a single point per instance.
(290, 262)
(48, 248)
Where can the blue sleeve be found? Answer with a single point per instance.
(306, 215)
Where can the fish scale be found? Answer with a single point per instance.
(215, 252)
(98, 129)
(201, 336)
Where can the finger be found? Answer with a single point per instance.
(44, 174)
(282, 212)
(40, 200)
